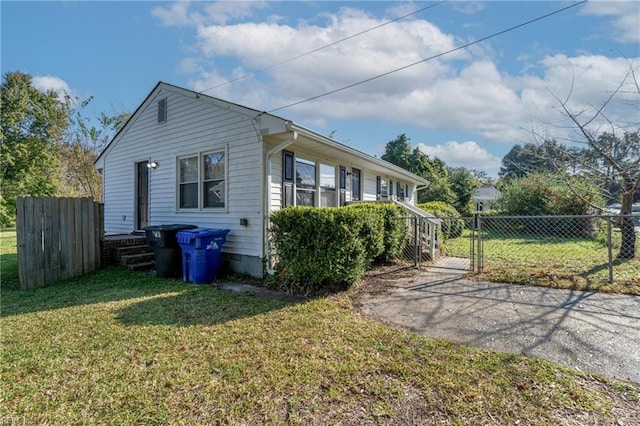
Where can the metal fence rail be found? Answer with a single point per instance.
(574, 249)
(589, 249)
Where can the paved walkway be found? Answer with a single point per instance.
(588, 331)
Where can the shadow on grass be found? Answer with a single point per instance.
(105, 285)
(197, 305)
(193, 304)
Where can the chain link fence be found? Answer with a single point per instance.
(567, 250)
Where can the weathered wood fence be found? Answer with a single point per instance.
(58, 238)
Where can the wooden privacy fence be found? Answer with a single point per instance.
(58, 238)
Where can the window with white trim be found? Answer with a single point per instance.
(202, 180)
(382, 188)
(327, 185)
(400, 191)
(305, 182)
(311, 183)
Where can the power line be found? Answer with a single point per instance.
(321, 47)
(464, 46)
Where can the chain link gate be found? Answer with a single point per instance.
(426, 242)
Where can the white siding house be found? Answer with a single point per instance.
(189, 158)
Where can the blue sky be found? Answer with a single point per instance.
(468, 107)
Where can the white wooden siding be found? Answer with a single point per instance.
(192, 127)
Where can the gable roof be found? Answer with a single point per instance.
(310, 134)
(487, 193)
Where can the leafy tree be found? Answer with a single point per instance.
(521, 160)
(483, 178)
(613, 155)
(463, 183)
(80, 148)
(398, 152)
(437, 173)
(32, 125)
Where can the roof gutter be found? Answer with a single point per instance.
(267, 190)
(345, 148)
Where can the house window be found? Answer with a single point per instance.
(400, 191)
(162, 110)
(382, 188)
(327, 186)
(188, 172)
(214, 179)
(202, 180)
(356, 191)
(305, 182)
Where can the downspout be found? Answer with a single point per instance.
(267, 190)
(418, 188)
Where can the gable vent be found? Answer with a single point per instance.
(162, 110)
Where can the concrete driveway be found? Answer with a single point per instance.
(588, 331)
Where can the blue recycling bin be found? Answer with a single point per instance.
(201, 253)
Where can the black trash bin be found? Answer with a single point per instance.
(166, 250)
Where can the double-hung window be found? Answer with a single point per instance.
(202, 180)
(305, 182)
(327, 186)
(188, 172)
(382, 188)
(400, 191)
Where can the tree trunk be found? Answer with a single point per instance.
(628, 246)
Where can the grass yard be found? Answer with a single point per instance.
(578, 264)
(117, 347)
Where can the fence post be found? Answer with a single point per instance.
(479, 244)
(416, 241)
(610, 249)
(472, 253)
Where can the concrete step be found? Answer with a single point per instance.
(129, 250)
(130, 259)
(144, 266)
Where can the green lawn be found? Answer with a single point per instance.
(579, 264)
(117, 347)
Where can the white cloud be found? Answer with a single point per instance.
(464, 154)
(219, 12)
(45, 83)
(585, 83)
(465, 91)
(177, 14)
(468, 7)
(625, 18)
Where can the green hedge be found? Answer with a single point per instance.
(452, 224)
(393, 230)
(329, 249)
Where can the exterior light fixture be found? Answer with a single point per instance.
(152, 164)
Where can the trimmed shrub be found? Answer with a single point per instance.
(393, 230)
(318, 249)
(452, 224)
(328, 249)
(372, 229)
